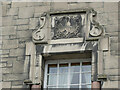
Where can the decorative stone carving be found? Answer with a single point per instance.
(95, 30)
(67, 26)
(38, 34)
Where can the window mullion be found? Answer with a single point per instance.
(57, 74)
(80, 75)
(69, 75)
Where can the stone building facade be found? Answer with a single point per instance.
(35, 34)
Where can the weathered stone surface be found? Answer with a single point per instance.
(110, 84)
(59, 6)
(18, 66)
(42, 9)
(22, 21)
(28, 12)
(12, 77)
(6, 84)
(16, 83)
(12, 11)
(23, 27)
(33, 23)
(6, 70)
(110, 7)
(27, 33)
(114, 46)
(96, 4)
(111, 28)
(111, 62)
(7, 44)
(13, 52)
(9, 30)
(6, 21)
(19, 4)
(111, 71)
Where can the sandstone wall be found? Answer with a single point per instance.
(19, 19)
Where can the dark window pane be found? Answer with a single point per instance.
(52, 68)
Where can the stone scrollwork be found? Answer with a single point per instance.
(38, 34)
(96, 29)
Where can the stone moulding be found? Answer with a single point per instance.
(38, 35)
(93, 39)
(92, 29)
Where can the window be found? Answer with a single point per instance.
(68, 74)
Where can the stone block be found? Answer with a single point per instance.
(112, 22)
(26, 33)
(77, 5)
(9, 30)
(6, 84)
(111, 28)
(18, 86)
(19, 4)
(33, 23)
(42, 9)
(5, 51)
(16, 83)
(4, 10)
(111, 72)
(58, 6)
(110, 84)
(114, 46)
(13, 52)
(113, 16)
(37, 15)
(26, 12)
(13, 77)
(23, 27)
(96, 4)
(18, 66)
(2, 64)
(114, 39)
(21, 51)
(10, 59)
(114, 78)
(22, 21)
(7, 21)
(12, 36)
(110, 62)
(111, 7)
(6, 70)
(8, 44)
(12, 11)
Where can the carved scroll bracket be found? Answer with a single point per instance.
(38, 34)
(95, 29)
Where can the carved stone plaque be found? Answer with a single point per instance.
(67, 26)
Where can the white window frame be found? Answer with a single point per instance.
(65, 61)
